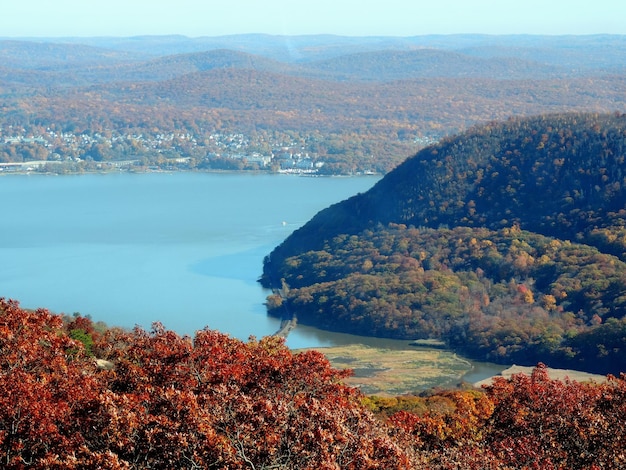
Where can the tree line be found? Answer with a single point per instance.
(506, 241)
(507, 296)
(75, 394)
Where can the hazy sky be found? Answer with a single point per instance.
(343, 17)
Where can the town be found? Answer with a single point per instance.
(65, 151)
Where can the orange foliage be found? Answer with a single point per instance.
(528, 422)
(216, 402)
(174, 402)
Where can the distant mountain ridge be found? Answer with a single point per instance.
(324, 57)
(20, 54)
(573, 51)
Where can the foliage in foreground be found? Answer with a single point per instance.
(174, 402)
(216, 402)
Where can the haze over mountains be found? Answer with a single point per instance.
(330, 57)
(340, 105)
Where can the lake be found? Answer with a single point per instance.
(184, 249)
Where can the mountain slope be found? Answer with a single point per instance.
(575, 52)
(76, 61)
(518, 252)
(431, 63)
(178, 65)
(559, 175)
(40, 55)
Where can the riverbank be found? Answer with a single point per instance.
(390, 372)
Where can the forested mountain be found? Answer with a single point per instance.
(431, 63)
(352, 58)
(38, 55)
(507, 241)
(575, 52)
(334, 105)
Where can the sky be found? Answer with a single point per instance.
(194, 18)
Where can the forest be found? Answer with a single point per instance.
(76, 395)
(507, 242)
(346, 107)
(502, 237)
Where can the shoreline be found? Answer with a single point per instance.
(386, 372)
(392, 372)
(111, 168)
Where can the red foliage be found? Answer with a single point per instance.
(46, 387)
(173, 402)
(216, 402)
(542, 423)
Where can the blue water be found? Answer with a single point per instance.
(184, 249)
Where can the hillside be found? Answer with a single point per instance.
(41, 55)
(431, 63)
(574, 52)
(340, 105)
(507, 241)
(74, 394)
(70, 62)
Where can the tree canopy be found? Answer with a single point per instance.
(507, 241)
(152, 399)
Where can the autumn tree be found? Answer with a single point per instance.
(48, 390)
(542, 423)
(176, 402)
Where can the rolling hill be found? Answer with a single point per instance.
(100, 60)
(353, 105)
(507, 241)
(575, 52)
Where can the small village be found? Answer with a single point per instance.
(48, 151)
(51, 150)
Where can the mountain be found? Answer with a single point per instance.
(352, 105)
(576, 52)
(62, 65)
(77, 60)
(179, 65)
(417, 106)
(392, 65)
(559, 175)
(75, 65)
(507, 241)
(42, 55)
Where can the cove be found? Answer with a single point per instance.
(183, 249)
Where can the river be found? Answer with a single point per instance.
(184, 249)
